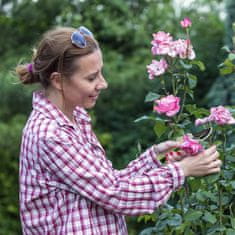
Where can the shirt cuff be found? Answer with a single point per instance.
(177, 175)
(152, 158)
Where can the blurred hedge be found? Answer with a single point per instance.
(124, 29)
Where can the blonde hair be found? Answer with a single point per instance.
(55, 53)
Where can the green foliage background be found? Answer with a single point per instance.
(124, 29)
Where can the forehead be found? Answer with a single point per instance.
(89, 63)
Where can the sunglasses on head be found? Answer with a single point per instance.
(78, 38)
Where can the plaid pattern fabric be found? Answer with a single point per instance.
(69, 187)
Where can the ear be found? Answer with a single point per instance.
(56, 81)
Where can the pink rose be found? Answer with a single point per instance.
(168, 105)
(220, 115)
(161, 37)
(182, 48)
(201, 121)
(161, 43)
(157, 68)
(191, 146)
(186, 22)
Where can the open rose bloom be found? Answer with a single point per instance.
(220, 115)
(157, 68)
(163, 44)
(168, 105)
(191, 146)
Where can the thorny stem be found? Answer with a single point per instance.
(220, 207)
(173, 86)
(164, 86)
(220, 188)
(183, 102)
(224, 148)
(187, 192)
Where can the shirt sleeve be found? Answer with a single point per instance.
(145, 162)
(76, 166)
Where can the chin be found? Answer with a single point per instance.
(89, 106)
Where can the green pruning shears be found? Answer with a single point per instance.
(202, 135)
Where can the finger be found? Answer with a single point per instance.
(214, 170)
(213, 157)
(171, 156)
(182, 153)
(167, 145)
(177, 155)
(208, 152)
(215, 164)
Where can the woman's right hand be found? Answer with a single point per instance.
(205, 163)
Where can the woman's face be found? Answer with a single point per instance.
(84, 86)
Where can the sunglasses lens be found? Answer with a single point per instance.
(78, 39)
(85, 31)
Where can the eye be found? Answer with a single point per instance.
(91, 79)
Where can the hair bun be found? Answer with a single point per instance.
(26, 75)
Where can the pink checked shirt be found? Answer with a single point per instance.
(69, 187)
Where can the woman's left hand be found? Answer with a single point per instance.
(165, 150)
(174, 156)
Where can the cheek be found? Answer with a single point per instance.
(82, 92)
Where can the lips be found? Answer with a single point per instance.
(94, 96)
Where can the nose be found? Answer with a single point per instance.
(102, 83)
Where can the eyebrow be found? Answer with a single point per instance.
(92, 74)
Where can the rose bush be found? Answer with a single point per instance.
(206, 205)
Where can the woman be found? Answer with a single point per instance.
(67, 186)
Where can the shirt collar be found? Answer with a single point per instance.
(48, 109)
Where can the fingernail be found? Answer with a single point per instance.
(178, 153)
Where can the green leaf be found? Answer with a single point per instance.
(142, 118)
(189, 92)
(160, 128)
(151, 96)
(226, 48)
(192, 215)
(188, 231)
(208, 217)
(211, 195)
(191, 108)
(215, 228)
(200, 196)
(232, 183)
(199, 63)
(192, 81)
(231, 56)
(147, 218)
(233, 222)
(175, 220)
(227, 174)
(212, 178)
(228, 63)
(195, 184)
(148, 231)
(185, 66)
(230, 231)
(226, 70)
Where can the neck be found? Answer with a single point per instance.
(58, 100)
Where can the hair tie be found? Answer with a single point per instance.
(30, 68)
